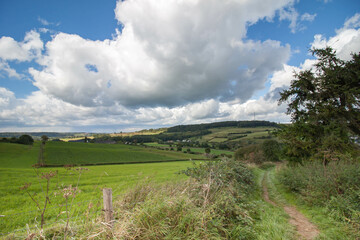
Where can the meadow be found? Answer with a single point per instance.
(235, 134)
(16, 160)
(64, 153)
(192, 149)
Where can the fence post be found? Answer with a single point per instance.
(108, 209)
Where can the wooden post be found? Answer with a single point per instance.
(108, 209)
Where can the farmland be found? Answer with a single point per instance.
(15, 170)
(236, 134)
(62, 153)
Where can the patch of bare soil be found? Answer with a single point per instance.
(305, 229)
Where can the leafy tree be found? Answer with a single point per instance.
(207, 150)
(44, 139)
(25, 139)
(271, 150)
(324, 107)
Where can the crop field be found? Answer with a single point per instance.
(15, 170)
(236, 134)
(62, 153)
(18, 155)
(192, 149)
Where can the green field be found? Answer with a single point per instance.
(15, 170)
(62, 153)
(235, 134)
(18, 155)
(192, 149)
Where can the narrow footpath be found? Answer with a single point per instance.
(305, 229)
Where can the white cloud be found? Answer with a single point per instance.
(353, 22)
(282, 78)
(308, 17)
(169, 53)
(292, 15)
(346, 40)
(26, 50)
(43, 21)
(10, 72)
(189, 64)
(6, 98)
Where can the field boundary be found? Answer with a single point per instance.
(123, 163)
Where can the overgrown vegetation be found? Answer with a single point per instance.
(269, 150)
(320, 144)
(335, 187)
(325, 110)
(213, 204)
(23, 139)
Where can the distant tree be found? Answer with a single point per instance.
(44, 139)
(324, 106)
(25, 139)
(179, 147)
(207, 150)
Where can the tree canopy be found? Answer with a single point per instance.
(324, 106)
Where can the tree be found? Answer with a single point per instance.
(324, 107)
(25, 139)
(207, 150)
(44, 139)
(271, 150)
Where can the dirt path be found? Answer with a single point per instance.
(305, 229)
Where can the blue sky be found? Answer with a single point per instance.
(105, 66)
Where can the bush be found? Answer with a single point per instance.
(271, 150)
(252, 154)
(25, 139)
(212, 204)
(334, 186)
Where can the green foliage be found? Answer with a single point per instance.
(252, 154)
(206, 126)
(23, 139)
(335, 186)
(212, 204)
(223, 172)
(324, 107)
(207, 150)
(271, 150)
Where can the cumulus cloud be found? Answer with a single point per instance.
(8, 71)
(346, 40)
(181, 65)
(169, 53)
(26, 50)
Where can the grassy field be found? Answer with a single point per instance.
(18, 155)
(15, 170)
(62, 153)
(236, 134)
(192, 149)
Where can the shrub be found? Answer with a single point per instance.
(271, 150)
(212, 204)
(252, 154)
(334, 186)
(25, 139)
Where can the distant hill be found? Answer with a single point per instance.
(39, 134)
(206, 126)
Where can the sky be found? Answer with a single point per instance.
(112, 66)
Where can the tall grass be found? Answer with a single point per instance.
(214, 203)
(335, 186)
